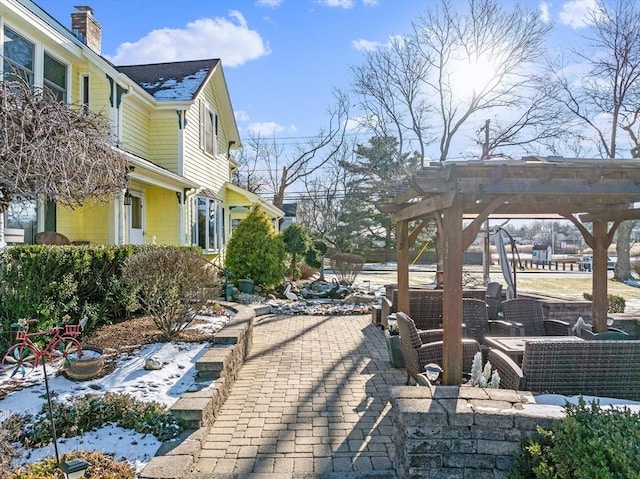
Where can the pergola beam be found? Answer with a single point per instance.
(425, 207)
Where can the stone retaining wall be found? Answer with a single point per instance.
(453, 432)
(217, 370)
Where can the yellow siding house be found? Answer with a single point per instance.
(174, 121)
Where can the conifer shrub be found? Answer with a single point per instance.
(297, 243)
(256, 251)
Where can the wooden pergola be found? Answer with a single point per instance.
(600, 192)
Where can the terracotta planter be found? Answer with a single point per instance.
(88, 366)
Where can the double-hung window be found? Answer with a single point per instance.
(18, 57)
(208, 129)
(208, 233)
(55, 77)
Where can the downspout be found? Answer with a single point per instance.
(121, 224)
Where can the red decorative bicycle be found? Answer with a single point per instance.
(24, 356)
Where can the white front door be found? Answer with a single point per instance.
(135, 215)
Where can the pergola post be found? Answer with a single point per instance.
(600, 305)
(452, 293)
(402, 258)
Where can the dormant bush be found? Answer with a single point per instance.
(173, 285)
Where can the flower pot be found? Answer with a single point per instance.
(395, 352)
(88, 366)
(245, 285)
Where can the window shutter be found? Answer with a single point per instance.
(203, 129)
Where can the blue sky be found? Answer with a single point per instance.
(282, 58)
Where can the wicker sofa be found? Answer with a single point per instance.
(425, 306)
(606, 368)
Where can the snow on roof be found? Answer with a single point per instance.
(176, 81)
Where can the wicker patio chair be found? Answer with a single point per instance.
(477, 324)
(417, 349)
(528, 313)
(425, 307)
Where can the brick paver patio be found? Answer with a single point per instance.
(312, 400)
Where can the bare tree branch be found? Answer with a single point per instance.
(51, 150)
(286, 168)
(506, 43)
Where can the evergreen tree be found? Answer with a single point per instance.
(256, 251)
(297, 243)
(377, 168)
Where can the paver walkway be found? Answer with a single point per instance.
(312, 400)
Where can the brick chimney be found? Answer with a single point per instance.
(87, 28)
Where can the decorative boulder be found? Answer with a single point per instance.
(152, 364)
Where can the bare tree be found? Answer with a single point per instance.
(319, 208)
(606, 100)
(288, 167)
(389, 88)
(50, 150)
(496, 47)
(248, 174)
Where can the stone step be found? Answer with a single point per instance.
(387, 474)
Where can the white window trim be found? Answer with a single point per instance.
(208, 112)
(219, 240)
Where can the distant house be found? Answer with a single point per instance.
(174, 121)
(541, 254)
(290, 212)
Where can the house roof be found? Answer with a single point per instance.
(174, 81)
(269, 208)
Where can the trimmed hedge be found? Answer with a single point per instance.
(45, 282)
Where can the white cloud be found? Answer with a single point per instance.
(241, 115)
(269, 3)
(575, 13)
(336, 3)
(229, 39)
(365, 45)
(371, 3)
(544, 12)
(269, 128)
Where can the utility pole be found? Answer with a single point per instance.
(485, 145)
(486, 263)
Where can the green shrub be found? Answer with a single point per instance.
(101, 466)
(47, 282)
(172, 285)
(255, 251)
(90, 412)
(617, 303)
(589, 443)
(297, 243)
